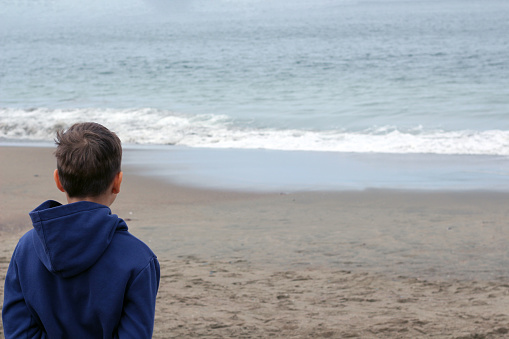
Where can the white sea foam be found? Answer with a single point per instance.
(150, 126)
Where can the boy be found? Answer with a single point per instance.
(79, 273)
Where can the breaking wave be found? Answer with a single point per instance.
(152, 126)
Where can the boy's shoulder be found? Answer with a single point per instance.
(129, 249)
(25, 242)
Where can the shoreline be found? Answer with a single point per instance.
(271, 171)
(262, 170)
(368, 264)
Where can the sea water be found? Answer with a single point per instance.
(328, 93)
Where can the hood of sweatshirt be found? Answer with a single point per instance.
(69, 239)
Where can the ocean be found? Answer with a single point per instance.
(322, 94)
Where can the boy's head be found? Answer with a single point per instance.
(89, 158)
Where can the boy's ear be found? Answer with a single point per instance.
(117, 181)
(57, 181)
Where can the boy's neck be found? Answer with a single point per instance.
(104, 199)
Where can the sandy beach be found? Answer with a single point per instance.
(366, 264)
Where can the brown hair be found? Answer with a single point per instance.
(88, 157)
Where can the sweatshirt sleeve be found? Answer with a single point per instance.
(18, 321)
(137, 319)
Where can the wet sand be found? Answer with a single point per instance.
(368, 264)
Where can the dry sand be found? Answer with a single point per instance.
(372, 264)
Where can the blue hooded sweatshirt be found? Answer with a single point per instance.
(80, 274)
